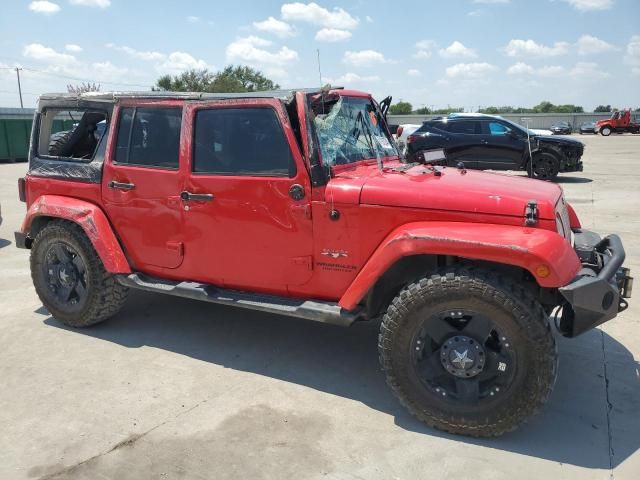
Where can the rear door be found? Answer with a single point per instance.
(501, 147)
(464, 142)
(141, 183)
(246, 200)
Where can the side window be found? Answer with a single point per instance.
(468, 127)
(149, 137)
(241, 141)
(496, 128)
(72, 134)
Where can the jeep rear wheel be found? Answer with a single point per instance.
(70, 279)
(467, 354)
(545, 166)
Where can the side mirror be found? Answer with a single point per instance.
(393, 129)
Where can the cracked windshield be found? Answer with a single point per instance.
(350, 129)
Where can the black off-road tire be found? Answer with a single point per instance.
(606, 129)
(57, 142)
(551, 160)
(520, 314)
(105, 296)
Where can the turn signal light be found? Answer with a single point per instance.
(412, 138)
(543, 271)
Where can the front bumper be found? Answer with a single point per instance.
(598, 292)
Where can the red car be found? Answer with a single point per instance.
(297, 203)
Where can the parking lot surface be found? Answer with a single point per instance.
(172, 388)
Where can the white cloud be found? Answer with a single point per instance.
(91, 3)
(589, 45)
(350, 78)
(424, 49)
(457, 49)
(414, 72)
(635, 71)
(72, 47)
(177, 62)
(193, 19)
(368, 19)
(581, 70)
(470, 70)
(364, 58)
(632, 56)
(108, 71)
(520, 68)
(588, 5)
(275, 26)
(529, 48)
(252, 50)
(44, 7)
(332, 35)
(142, 55)
(314, 13)
(39, 52)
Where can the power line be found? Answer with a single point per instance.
(77, 79)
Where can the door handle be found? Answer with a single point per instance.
(196, 197)
(120, 185)
(484, 142)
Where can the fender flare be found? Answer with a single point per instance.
(527, 248)
(90, 218)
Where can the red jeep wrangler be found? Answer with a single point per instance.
(298, 203)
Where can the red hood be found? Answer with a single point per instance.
(473, 191)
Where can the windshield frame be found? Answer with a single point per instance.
(333, 97)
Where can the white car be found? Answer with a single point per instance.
(402, 133)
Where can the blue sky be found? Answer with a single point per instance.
(459, 52)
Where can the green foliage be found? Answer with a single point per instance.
(603, 109)
(447, 111)
(232, 79)
(423, 111)
(400, 108)
(542, 107)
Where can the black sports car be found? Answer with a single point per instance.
(588, 127)
(492, 142)
(561, 128)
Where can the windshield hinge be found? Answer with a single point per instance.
(531, 213)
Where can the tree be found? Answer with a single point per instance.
(603, 109)
(83, 87)
(423, 111)
(400, 108)
(232, 79)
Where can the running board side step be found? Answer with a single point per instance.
(319, 311)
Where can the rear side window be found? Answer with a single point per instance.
(468, 127)
(70, 134)
(149, 137)
(241, 141)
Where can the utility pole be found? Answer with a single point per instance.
(19, 86)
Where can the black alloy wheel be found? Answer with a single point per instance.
(545, 167)
(461, 356)
(66, 276)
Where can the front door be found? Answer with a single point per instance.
(141, 184)
(502, 148)
(246, 200)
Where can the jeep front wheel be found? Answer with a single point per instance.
(468, 353)
(70, 279)
(605, 131)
